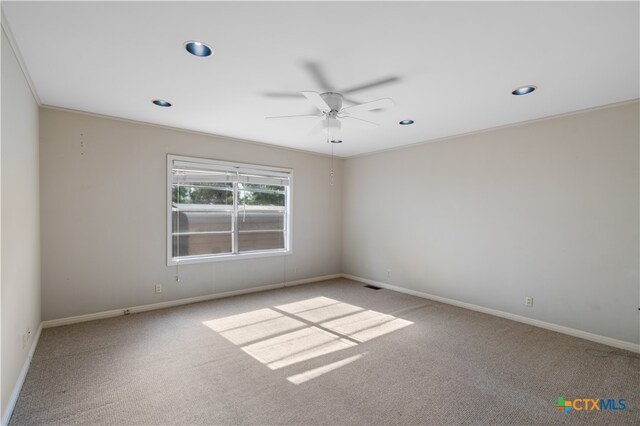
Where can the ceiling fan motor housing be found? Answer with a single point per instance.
(334, 100)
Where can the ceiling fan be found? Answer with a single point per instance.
(321, 79)
(331, 111)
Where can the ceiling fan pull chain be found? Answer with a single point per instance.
(331, 170)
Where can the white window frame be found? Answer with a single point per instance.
(171, 261)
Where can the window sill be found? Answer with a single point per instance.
(225, 257)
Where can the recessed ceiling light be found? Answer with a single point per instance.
(524, 90)
(406, 122)
(336, 141)
(198, 48)
(161, 103)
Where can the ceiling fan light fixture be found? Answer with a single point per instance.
(198, 48)
(524, 90)
(331, 125)
(161, 103)
(406, 122)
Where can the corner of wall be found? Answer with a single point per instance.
(20, 275)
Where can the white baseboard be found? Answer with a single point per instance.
(312, 280)
(23, 374)
(621, 344)
(172, 303)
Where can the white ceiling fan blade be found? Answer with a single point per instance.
(316, 99)
(361, 119)
(293, 116)
(368, 106)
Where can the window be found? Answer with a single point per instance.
(220, 210)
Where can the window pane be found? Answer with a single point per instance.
(261, 216)
(201, 244)
(203, 220)
(204, 223)
(251, 194)
(253, 241)
(202, 193)
(262, 219)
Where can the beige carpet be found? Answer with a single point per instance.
(326, 353)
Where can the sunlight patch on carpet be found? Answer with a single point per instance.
(317, 372)
(307, 305)
(322, 313)
(242, 320)
(366, 325)
(297, 346)
(244, 334)
(295, 332)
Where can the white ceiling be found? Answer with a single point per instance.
(457, 63)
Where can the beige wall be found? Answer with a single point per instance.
(546, 209)
(20, 225)
(103, 195)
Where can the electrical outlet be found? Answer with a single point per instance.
(388, 273)
(158, 288)
(528, 301)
